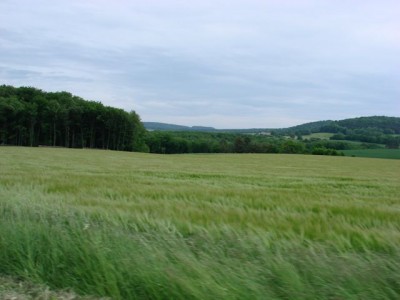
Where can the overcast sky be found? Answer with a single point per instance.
(221, 63)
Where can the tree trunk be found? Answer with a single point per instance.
(54, 133)
(32, 133)
(73, 138)
(67, 136)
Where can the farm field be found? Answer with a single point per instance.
(224, 226)
(375, 153)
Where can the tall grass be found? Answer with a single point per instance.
(135, 226)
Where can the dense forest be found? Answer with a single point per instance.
(31, 117)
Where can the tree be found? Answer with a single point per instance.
(30, 117)
(292, 147)
(392, 143)
(242, 144)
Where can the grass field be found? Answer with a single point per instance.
(375, 153)
(318, 135)
(142, 226)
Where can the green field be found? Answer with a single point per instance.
(374, 153)
(228, 226)
(318, 135)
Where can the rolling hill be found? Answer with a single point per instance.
(383, 123)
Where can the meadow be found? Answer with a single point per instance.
(217, 226)
(318, 135)
(375, 153)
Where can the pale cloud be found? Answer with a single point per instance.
(214, 63)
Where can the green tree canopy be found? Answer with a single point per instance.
(31, 117)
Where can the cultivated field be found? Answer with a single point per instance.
(131, 225)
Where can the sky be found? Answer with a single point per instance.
(220, 63)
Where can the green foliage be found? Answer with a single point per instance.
(384, 125)
(242, 144)
(325, 151)
(292, 147)
(31, 117)
(334, 136)
(378, 130)
(372, 130)
(387, 125)
(205, 142)
(392, 142)
(305, 129)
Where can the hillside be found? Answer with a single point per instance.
(152, 126)
(382, 123)
(305, 128)
(173, 127)
(389, 125)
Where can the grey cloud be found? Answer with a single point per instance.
(222, 63)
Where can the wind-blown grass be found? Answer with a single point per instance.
(130, 225)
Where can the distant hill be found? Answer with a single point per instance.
(174, 127)
(387, 125)
(311, 127)
(152, 126)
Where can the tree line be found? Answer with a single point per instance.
(32, 117)
(175, 142)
